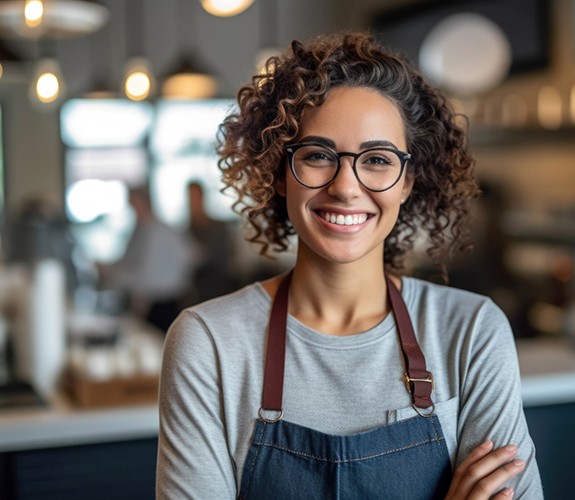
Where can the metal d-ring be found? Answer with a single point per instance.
(271, 420)
(425, 413)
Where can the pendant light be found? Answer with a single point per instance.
(226, 8)
(101, 87)
(33, 13)
(50, 18)
(138, 82)
(189, 79)
(47, 86)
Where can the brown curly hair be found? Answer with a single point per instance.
(252, 141)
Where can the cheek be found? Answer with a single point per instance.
(295, 200)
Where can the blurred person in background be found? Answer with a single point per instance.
(214, 272)
(155, 269)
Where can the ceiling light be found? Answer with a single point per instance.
(466, 53)
(47, 86)
(54, 18)
(189, 81)
(226, 8)
(138, 81)
(33, 13)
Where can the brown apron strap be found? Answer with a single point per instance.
(275, 357)
(418, 380)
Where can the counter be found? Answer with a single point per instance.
(547, 369)
(64, 425)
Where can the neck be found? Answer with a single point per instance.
(339, 299)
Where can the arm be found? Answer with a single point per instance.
(193, 456)
(491, 409)
(484, 471)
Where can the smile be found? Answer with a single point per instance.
(343, 220)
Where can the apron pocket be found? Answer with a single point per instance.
(448, 414)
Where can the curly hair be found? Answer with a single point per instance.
(252, 141)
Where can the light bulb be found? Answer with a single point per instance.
(138, 85)
(33, 13)
(138, 81)
(47, 87)
(225, 8)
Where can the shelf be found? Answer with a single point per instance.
(502, 137)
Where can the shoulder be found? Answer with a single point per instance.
(452, 315)
(245, 304)
(423, 294)
(222, 319)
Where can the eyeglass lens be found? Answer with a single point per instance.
(377, 169)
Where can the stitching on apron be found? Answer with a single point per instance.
(252, 466)
(435, 429)
(359, 459)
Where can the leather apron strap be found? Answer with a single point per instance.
(275, 355)
(419, 381)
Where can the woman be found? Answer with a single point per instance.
(344, 145)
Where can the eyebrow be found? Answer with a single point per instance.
(324, 141)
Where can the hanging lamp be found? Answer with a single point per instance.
(138, 83)
(47, 86)
(102, 84)
(189, 78)
(50, 18)
(226, 8)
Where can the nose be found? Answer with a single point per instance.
(345, 186)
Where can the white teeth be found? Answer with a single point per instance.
(345, 220)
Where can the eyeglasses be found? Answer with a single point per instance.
(315, 165)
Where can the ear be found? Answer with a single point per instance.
(281, 186)
(407, 186)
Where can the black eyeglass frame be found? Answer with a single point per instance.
(292, 148)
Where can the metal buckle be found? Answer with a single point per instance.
(408, 380)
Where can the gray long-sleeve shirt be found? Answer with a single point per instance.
(212, 377)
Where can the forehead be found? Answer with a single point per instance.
(353, 115)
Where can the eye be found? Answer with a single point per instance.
(315, 156)
(380, 158)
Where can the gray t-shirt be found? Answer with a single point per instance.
(212, 377)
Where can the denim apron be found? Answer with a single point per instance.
(404, 460)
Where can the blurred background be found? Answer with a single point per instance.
(112, 220)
